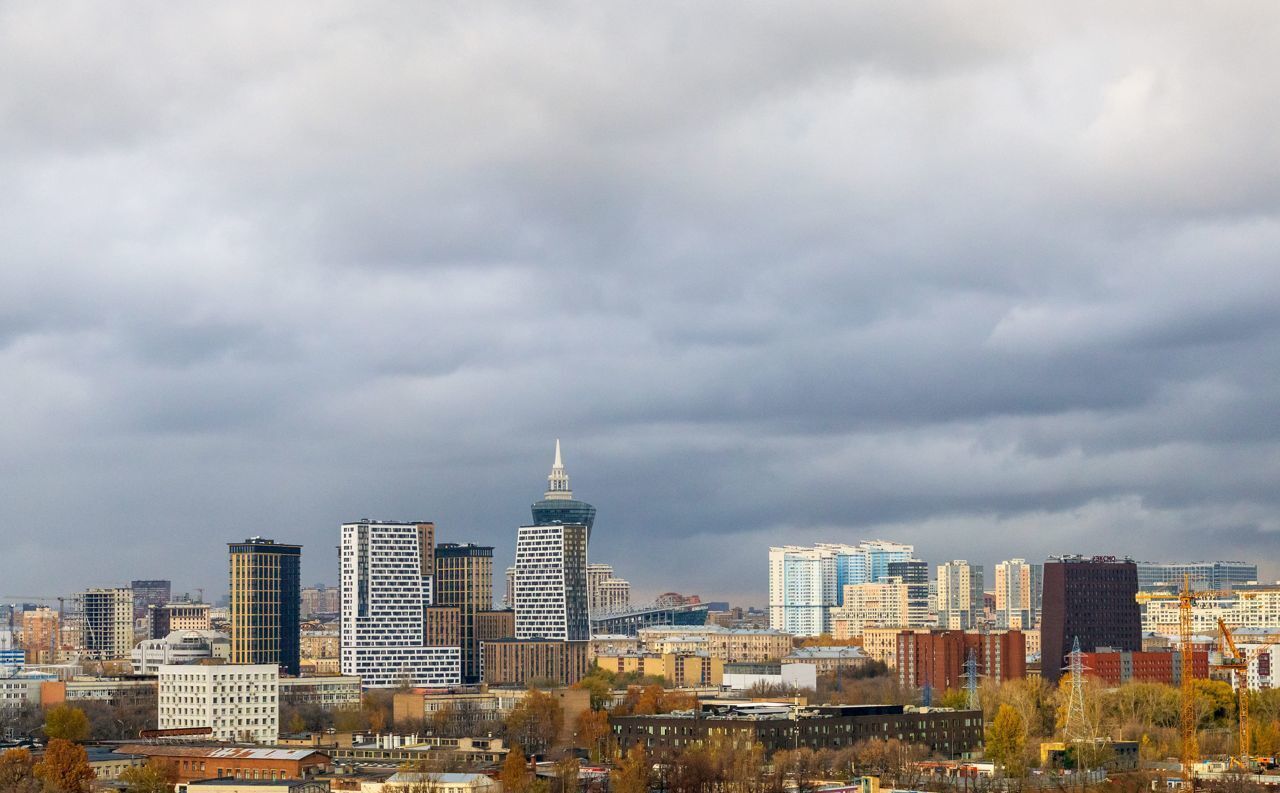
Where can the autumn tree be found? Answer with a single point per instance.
(515, 776)
(17, 772)
(953, 698)
(1006, 741)
(536, 721)
(592, 733)
(65, 767)
(633, 773)
(66, 722)
(154, 777)
(599, 682)
(566, 775)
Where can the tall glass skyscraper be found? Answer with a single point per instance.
(265, 588)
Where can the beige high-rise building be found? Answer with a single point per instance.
(605, 592)
(880, 604)
(960, 595)
(40, 635)
(464, 580)
(1018, 592)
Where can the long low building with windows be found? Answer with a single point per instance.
(785, 726)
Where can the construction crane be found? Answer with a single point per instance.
(1187, 717)
(1237, 662)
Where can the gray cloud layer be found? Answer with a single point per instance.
(998, 281)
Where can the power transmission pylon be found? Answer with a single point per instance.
(1076, 728)
(971, 679)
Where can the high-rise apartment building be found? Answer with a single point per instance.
(551, 583)
(915, 574)
(878, 605)
(1212, 576)
(40, 628)
(1093, 600)
(509, 596)
(265, 586)
(937, 658)
(806, 582)
(464, 580)
(320, 599)
(1019, 590)
(106, 622)
(180, 616)
(605, 592)
(149, 593)
(960, 595)
(387, 588)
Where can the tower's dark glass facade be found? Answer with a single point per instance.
(1093, 600)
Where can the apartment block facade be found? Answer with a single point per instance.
(386, 569)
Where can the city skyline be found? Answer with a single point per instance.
(990, 282)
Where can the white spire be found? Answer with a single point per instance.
(558, 481)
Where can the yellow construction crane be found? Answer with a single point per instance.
(1189, 719)
(1237, 662)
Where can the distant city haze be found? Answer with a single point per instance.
(996, 282)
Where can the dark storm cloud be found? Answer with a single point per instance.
(996, 281)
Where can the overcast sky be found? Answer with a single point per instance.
(995, 280)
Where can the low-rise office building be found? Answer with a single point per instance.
(775, 674)
(118, 692)
(784, 726)
(727, 644)
(827, 660)
(232, 785)
(239, 702)
(179, 647)
(679, 671)
(330, 692)
(234, 762)
(419, 782)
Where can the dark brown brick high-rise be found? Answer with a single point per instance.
(1093, 599)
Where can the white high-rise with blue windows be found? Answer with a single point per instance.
(806, 582)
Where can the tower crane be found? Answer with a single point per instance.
(1187, 717)
(1237, 662)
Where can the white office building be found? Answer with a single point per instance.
(179, 647)
(386, 586)
(1019, 588)
(960, 595)
(807, 582)
(240, 702)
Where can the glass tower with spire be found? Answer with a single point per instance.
(558, 506)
